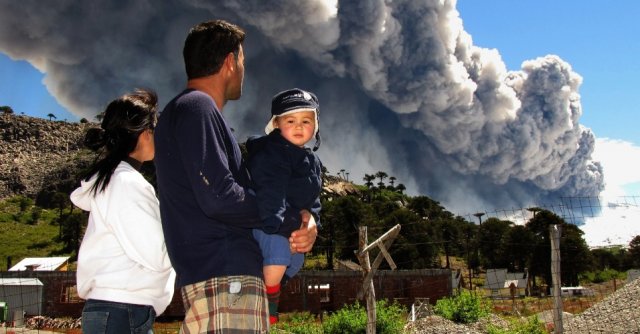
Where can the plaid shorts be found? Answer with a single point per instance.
(230, 304)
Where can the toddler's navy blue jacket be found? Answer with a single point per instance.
(284, 176)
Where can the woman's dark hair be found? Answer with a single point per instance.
(124, 119)
(208, 44)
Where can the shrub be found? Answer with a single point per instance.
(353, 319)
(390, 318)
(23, 202)
(463, 308)
(601, 275)
(532, 325)
(298, 323)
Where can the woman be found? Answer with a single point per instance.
(124, 272)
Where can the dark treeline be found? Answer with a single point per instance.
(428, 233)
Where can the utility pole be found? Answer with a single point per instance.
(469, 258)
(479, 215)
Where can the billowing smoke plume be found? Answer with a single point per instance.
(402, 88)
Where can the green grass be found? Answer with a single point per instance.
(21, 236)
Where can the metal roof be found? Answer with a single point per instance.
(40, 263)
(20, 281)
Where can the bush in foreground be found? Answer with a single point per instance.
(390, 319)
(530, 326)
(464, 308)
(351, 319)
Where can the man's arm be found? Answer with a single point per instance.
(205, 158)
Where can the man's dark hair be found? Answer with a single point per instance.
(207, 45)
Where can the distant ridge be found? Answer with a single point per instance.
(37, 154)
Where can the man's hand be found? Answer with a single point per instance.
(302, 240)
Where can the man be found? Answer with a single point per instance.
(207, 213)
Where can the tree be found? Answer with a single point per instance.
(83, 120)
(6, 109)
(381, 176)
(71, 230)
(368, 179)
(51, 116)
(574, 254)
(604, 259)
(36, 213)
(516, 248)
(490, 235)
(60, 200)
(23, 202)
(538, 226)
(634, 251)
(425, 207)
(452, 235)
(416, 246)
(401, 188)
(392, 181)
(342, 216)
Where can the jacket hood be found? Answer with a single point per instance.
(81, 197)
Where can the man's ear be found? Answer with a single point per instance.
(230, 62)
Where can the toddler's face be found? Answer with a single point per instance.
(297, 128)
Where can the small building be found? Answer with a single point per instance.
(319, 291)
(632, 274)
(576, 291)
(60, 263)
(505, 284)
(457, 281)
(22, 296)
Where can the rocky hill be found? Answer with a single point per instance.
(37, 154)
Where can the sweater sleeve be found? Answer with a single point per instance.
(270, 172)
(315, 210)
(204, 149)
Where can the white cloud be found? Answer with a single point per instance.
(621, 163)
(619, 221)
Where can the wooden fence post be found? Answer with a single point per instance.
(369, 291)
(554, 233)
(368, 271)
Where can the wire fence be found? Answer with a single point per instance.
(612, 306)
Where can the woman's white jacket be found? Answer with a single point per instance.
(123, 257)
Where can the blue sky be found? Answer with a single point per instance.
(25, 92)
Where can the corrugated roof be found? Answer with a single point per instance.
(497, 278)
(20, 281)
(40, 263)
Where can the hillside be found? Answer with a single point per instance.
(37, 154)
